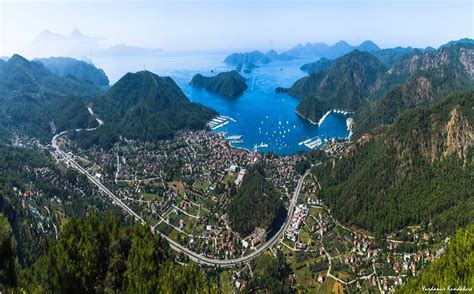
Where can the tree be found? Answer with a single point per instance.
(7, 255)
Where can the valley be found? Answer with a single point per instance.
(339, 167)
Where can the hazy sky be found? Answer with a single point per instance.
(232, 25)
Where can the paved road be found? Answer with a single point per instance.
(173, 244)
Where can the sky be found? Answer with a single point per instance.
(176, 25)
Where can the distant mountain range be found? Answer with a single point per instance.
(250, 60)
(78, 45)
(65, 66)
(308, 51)
(230, 84)
(320, 50)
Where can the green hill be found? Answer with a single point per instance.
(145, 106)
(230, 84)
(256, 203)
(418, 170)
(346, 84)
(20, 76)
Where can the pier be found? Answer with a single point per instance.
(336, 111)
(219, 122)
(312, 142)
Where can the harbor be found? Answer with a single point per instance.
(312, 142)
(235, 139)
(279, 126)
(219, 122)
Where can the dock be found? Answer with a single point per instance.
(311, 143)
(219, 122)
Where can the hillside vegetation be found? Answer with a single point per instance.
(36, 102)
(378, 86)
(417, 171)
(230, 84)
(256, 203)
(345, 85)
(94, 255)
(144, 106)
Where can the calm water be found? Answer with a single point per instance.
(262, 115)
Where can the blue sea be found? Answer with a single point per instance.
(262, 116)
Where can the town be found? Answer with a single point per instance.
(182, 186)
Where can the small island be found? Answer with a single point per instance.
(230, 84)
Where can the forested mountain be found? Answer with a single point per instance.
(388, 57)
(145, 106)
(322, 64)
(417, 171)
(320, 50)
(100, 255)
(345, 85)
(230, 84)
(20, 76)
(256, 203)
(360, 82)
(453, 270)
(420, 79)
(37, 102)
(81, 70)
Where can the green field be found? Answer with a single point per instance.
(150, 196)
(229, 178)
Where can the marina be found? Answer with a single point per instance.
(249, 115)
(312, 143)
(219, 122)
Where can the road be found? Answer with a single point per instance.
(173, 244)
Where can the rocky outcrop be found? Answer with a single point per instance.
(459, 135)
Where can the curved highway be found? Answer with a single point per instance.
(173, 244)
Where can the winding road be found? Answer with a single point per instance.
(173, 244)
